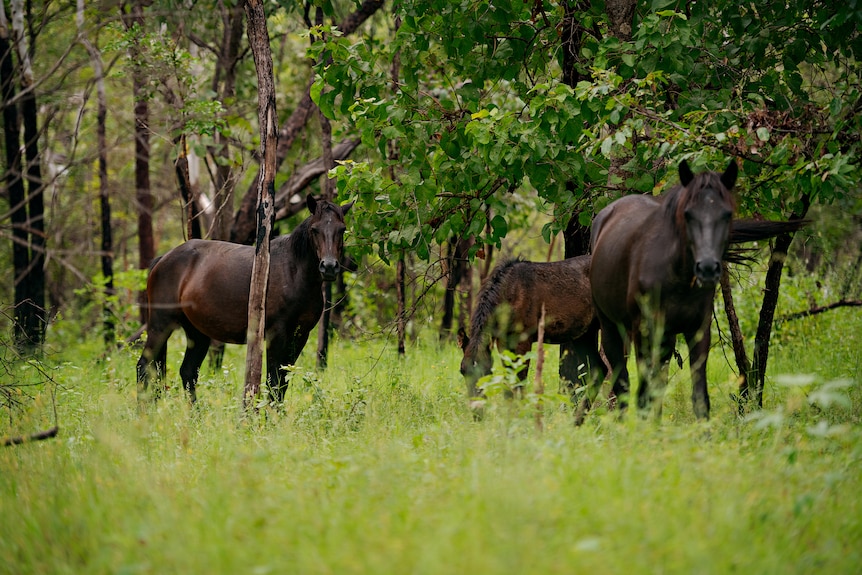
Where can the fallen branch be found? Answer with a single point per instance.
(818, 309)
(47, 434)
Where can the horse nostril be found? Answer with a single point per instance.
(708, 270)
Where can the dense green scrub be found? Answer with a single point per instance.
(376, 466)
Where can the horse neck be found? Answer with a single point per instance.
(298, 249)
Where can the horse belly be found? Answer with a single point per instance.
(218, 309)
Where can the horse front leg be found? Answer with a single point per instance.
(282, 352)
(615, 343)
(698, 348)
(152, 363)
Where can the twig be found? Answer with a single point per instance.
(818, 309)
(47, 434)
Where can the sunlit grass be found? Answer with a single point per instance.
(377, 466)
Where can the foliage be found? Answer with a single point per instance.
(479, 111)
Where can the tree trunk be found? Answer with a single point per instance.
(258, 38)
(576, 237)
(772, 287)
(143, 195)
(244, 226)
(14, 182)
(328, 187)
(107, 244)
(401, 296)
(26, 201)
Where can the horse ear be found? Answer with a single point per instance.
(685, 174)
(311, 203)
(346, 208)
(463, 340)
(728, 178)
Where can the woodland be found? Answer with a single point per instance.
(461, 133)
(459, 128)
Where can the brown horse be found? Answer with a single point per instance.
(656, 262)
(508, 309)
(203, 287)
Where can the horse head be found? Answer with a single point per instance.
(476, 362)
(327, 234)
(705, 210)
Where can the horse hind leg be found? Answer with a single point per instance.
(196, 351)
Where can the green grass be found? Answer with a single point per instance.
(376, 466)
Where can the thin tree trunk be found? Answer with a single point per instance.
(401, 296)
(540, 366)
(244, 226)
(143, 194)
(107, 244)
(743, 365)
(328, 187)
(31, 307)
(772, 286)
(258, 38)
(14, 181)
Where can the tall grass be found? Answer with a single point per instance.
(376, 466)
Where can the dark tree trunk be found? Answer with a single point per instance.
(26, 201)
(36, 316)
(576, 237)
(258, 38)
(15, 185)
(401, 296)
(143, 194)
(772, 287)
(456, 268)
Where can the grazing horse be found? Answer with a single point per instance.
(656, 262)
(509, 307)
(203, 287)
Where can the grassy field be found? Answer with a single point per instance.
(376, 466)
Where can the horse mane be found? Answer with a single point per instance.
(490, 296)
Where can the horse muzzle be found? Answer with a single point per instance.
(707, 272)
(329, 269)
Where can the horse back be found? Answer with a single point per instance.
(564, 289)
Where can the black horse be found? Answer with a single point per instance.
(203, 287)
(509, 307)
(656, 262)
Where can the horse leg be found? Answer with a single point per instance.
(698, 349)
(522, 349)
(614, 342)
(196, 351)
(280, 355)
(653, 361)
(588, 363)
(153, 360)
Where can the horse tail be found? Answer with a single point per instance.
(747, 230)
(490, 296)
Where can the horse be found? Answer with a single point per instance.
(509, 306)
(203, 287)
(655, 265)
